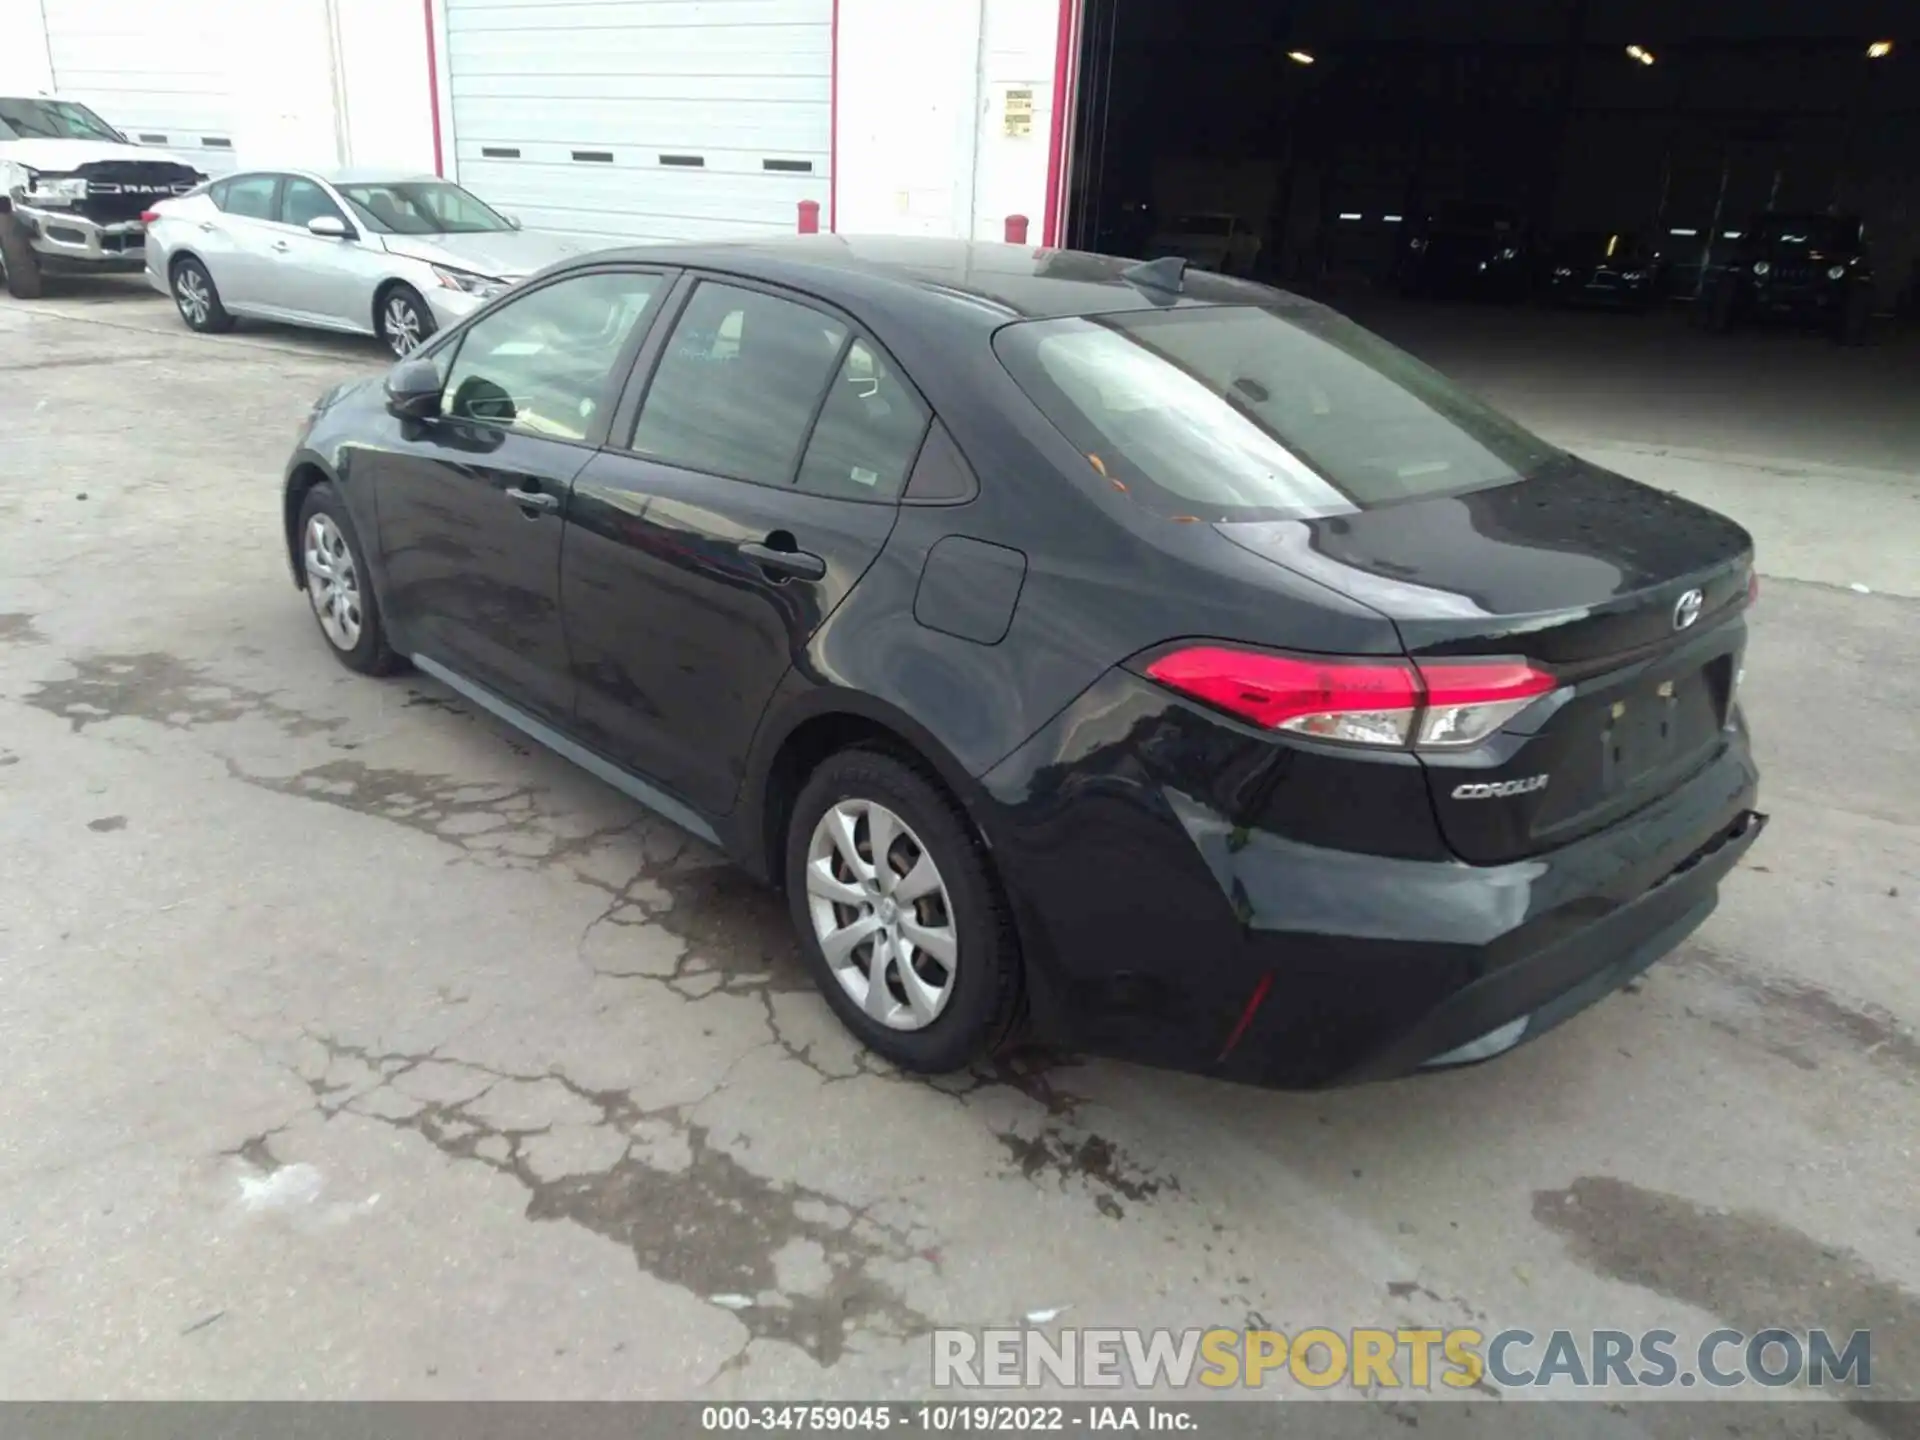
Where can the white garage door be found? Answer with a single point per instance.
(643, 119)
(153, 71)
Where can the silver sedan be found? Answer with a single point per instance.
(372, 253)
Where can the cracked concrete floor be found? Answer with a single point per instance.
(351, 1047)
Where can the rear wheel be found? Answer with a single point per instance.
(18, 262)
(404, 320)
(197, 299)
(899, 914)
(1856, 312)
(1719, 303)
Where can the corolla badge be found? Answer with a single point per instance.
(1687, 609)
(1499, 789)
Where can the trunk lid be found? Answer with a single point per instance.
(1583, 573)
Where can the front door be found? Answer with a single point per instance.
(759, 483)
(325, 280)
(472, 505)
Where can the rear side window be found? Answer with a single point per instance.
(738, 384)
(1229, 413)
(249, 196)
(868, 434)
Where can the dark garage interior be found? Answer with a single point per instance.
(1325, 145)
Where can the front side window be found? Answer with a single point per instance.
(738, 384)
(248, 196)
(1224, 413)
(543, 364)
(303, 201)
(868, 433)
(53, 120)
(421, 207)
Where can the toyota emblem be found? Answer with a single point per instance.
(1687, 609)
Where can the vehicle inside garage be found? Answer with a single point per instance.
(1627, 151)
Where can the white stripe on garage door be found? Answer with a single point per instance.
(154, 71)
(643, 119)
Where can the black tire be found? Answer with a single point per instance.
(984, 1004)
(197, 298)
(368, 653)
(395, 302)
(1856, 313)
(17, 259)
(1719, 302)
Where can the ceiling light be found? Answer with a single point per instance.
(1640, 53)
(1300, 57)
(1879, 49)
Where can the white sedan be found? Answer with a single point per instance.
(386, 254)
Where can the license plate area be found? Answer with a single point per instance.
(1649, 730)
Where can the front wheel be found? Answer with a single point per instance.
(18, 263)
(339, 587)
(404, 321)
(899, 914)
(197, 299)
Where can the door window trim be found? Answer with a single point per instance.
(448, 343)
(626, 415)
(280, 205)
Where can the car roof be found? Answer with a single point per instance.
(997, 282)
(358, 175)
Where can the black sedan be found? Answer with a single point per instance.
(1145, 661)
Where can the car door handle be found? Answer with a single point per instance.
(281, 245)
(534, 499)
(797, 563)
(207, 227)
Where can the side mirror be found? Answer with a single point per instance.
(413, 390)
(513, 221)
(330, 227)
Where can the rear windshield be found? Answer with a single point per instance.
(1227, 413)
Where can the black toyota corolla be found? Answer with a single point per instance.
(1140, 660)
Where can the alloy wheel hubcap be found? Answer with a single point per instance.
(403, 327)
(191, 291)
(881, 912)
(333, 584)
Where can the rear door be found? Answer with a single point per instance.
(236, 244)
(744, 493)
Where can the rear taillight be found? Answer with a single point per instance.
(1433, 705)
(1753, 588)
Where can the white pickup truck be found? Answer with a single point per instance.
(72, 191)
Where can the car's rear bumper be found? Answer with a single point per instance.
(1158, 928)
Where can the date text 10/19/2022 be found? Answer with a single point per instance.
(947, 1419)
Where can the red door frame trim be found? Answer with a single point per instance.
(433, 88)
(833, 121)
(1065, 71)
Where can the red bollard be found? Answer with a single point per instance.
(809, 217)
(1016, 230)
